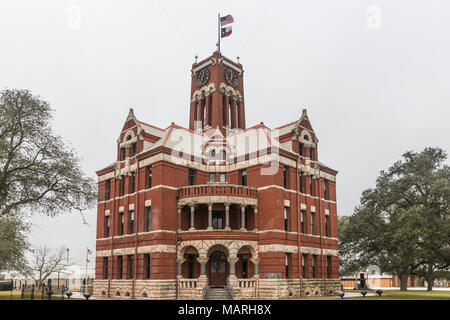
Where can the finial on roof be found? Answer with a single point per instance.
(130, 114)
(196, 57)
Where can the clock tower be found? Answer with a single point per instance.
(217, 94)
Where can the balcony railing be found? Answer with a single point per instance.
(188, 283)
(246, 283)
(218, 189)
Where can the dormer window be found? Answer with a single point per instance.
(133, 148)
(122, 153)
(212, 155)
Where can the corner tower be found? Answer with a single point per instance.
(217, 94)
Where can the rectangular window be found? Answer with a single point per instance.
(314, 266)
(243, 174)
(328, 266)
(311, 153)
(130, 267)
(134, 149)
(313, 220)
(286, 218)
(121, 224)
(327, 226)
(149, 177)
(304, 261)
(285, 177)
(222, 177)
(147, 265)
(120, 266)
(133, 183)
(105, 268)
(300, 149)
(148, 216)
(106, 226)
(131, 222)
(122, 153)
(288, 258)
(122, 186)
(311, 186)
(191, 177)
(301, 184)
(212, 177)
(302, 225)
(108, 190)
(325, 189)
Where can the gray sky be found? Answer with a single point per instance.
(374, 76)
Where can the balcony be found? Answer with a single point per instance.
(218, 193)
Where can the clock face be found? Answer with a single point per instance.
(202, 77)
(232, 77)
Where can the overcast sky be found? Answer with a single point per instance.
(373, 75)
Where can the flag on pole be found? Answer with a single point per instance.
(225, 32)
(226, 20)
(87, 260)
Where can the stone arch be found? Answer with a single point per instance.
(145, 292)
(185, 245)
(232, 246)
(190, 248)
(218, 247)
(128, 136)
(249, 247)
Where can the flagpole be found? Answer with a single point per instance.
(85, 285)
(218, 32)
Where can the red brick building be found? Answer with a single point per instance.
(216, 204)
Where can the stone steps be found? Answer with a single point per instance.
(217, 294)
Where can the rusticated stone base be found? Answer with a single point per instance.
(144, 289)
(262, 289)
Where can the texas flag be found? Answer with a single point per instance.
(225, 32)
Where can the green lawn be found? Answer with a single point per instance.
(404, 295)
(6, 295)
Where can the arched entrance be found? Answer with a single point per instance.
(218, 268)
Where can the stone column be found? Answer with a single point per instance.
(210, 217)
(207, 109)
(233, 114)
(199, 113)
(180, 262)
(192, 224)
(202, 278)
(226, 108)
(227, 216)
(243, 217)
(232, 277)
(255, 262)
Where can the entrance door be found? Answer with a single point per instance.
(217, 269)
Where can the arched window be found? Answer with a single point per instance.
(222, 155)
(212, 155)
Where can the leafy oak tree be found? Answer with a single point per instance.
(403, 224)
(38, 173)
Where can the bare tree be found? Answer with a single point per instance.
(46, 261)
(37, 171)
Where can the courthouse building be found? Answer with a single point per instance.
(219, 209)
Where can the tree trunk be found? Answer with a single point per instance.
(403, 282)
(430, 282)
